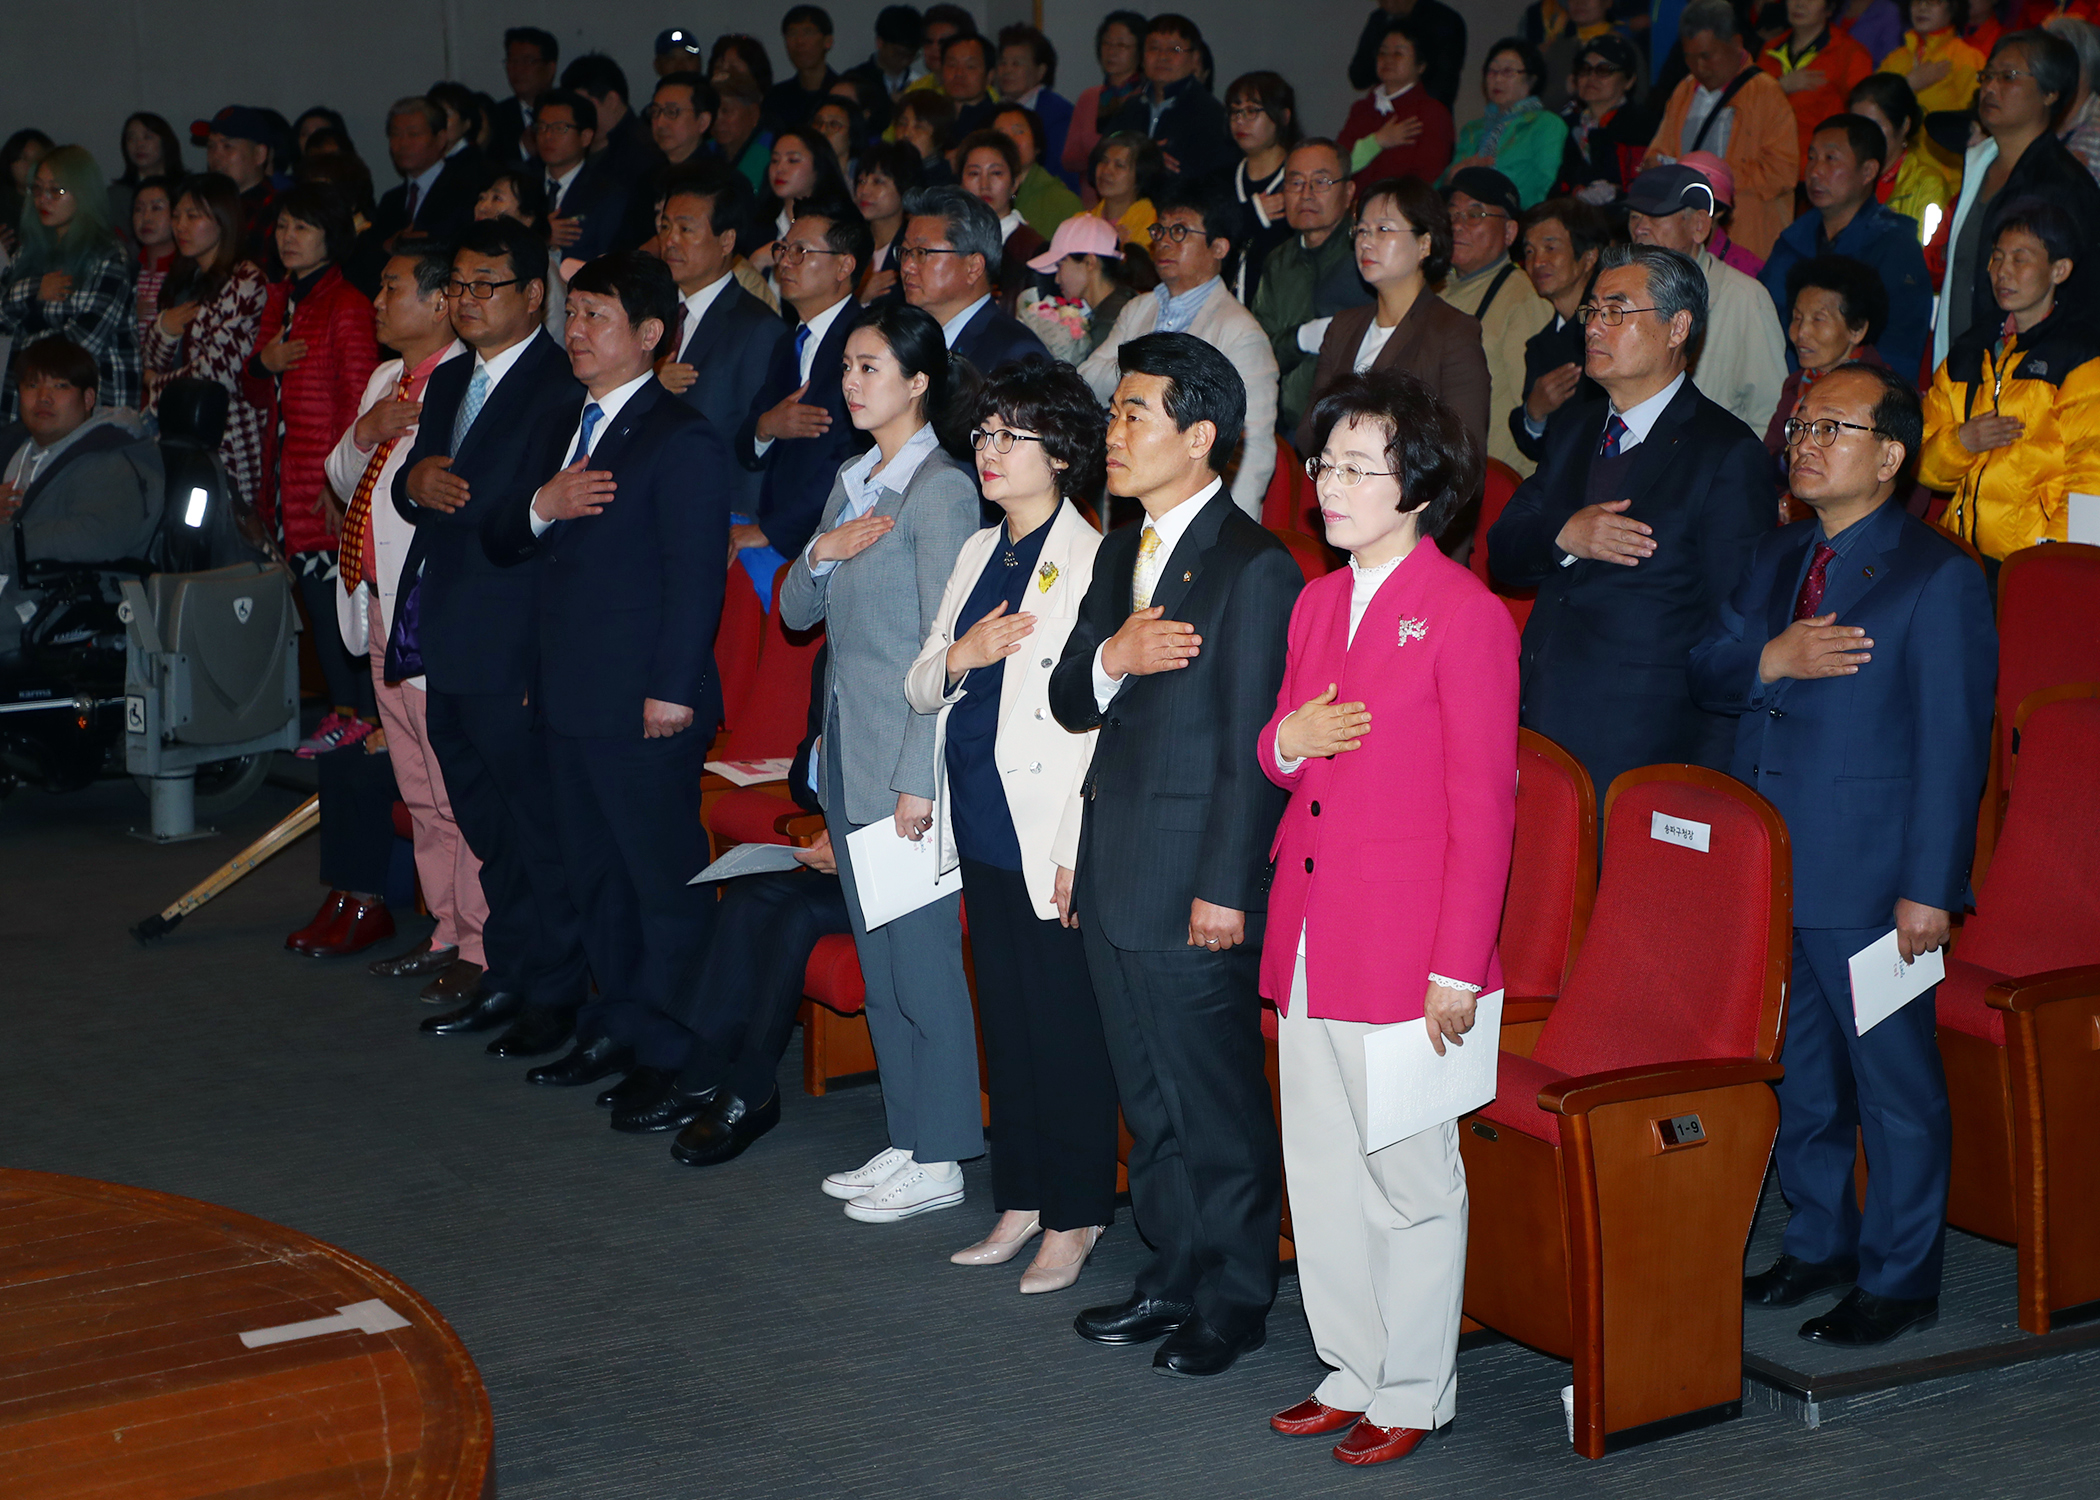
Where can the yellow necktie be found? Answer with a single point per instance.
(1147, 572)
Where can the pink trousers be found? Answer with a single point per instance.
(450, 874)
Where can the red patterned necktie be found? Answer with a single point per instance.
(1811, 598)
(1614, 432)
(357, 520)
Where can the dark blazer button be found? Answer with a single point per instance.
(1308, 864)
(1316, 809)
(1775, 713)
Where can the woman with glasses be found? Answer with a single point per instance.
(1261, 110)
(1011, 777)
(1608, 130)
(1399, 129)
(1403, 248)
(71, 277)
(1392, 922)
(895, 522)
(1516, 134)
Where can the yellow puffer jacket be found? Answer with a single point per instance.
(2012, 497)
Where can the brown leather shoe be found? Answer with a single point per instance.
(364, 923)
(1310, 1418)
(455, 986)
(323, 927)
(420, 962)
(1366, 1444)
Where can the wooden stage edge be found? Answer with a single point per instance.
(123, 1375)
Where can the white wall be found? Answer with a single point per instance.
(89, 65)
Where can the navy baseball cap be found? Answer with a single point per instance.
(241, 122)
(1662, 191)
(678, 40)
(1486, 185)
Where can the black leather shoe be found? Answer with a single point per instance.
(1792, 1280)
(485, 1012)
(590, 1062)
(535, 1033)
(1863, 1319)
(724, 1129)
(640, 1088)
(1196, 1350)
(1137, 1321)
(671, 1108)
(418, 963)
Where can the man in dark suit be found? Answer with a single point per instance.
(1633, 530)
(1174, 108)
(723, 339)
(1177, 658)
(796, 433)
(435, 199)
(947, 265)
(586, 199)
(529, 59)
(623, 140)
(1858, 659)
(631, 536)
(478, 450)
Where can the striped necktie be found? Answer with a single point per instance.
(357, 520)
(1146, 575)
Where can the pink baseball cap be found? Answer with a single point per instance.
(1715, 171)
(1082, 234)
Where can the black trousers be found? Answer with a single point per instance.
(1206, 1184)
(742, 1003)
(357, 819)
(628, 815)
(494, 758)
(1053, 1090)
(349, 678)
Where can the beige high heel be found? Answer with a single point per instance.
(1041, 1278)
(991, 1252)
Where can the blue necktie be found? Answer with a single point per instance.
(469, 409)
(1614, 431)
(801, 343)
(591, 416)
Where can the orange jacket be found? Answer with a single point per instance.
(1842, 62)
(1764, 153)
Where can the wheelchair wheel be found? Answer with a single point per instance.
(222, 785)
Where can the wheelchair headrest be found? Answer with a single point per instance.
(193, 413)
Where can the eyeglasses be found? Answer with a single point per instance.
(1319, 182)
(1175, 232)
(554, 127)
(1518, 72)
(1609, 313)
(2002, 75)
(669, 112)
(1245, 112)
(1349, 474)
(1001, 441)
(1824, 430)
(794, 252)
(1477, 215)
(1167, 49)
(917, 254)
(480, 291)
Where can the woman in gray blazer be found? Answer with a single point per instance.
(896, 520)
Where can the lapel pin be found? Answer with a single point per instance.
(1045, 576)
(1866, 573)
(1188, 577)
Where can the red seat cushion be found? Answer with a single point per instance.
(1538, 911)
(745, 814)
(404, 824)
(737, 641)
(1516, 1102)
(832, 977)
(1269, 1021)
(1960, 1003)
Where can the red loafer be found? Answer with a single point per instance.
(1367, 1444)
(364, 923)
(321, 930)
(1309, 1418)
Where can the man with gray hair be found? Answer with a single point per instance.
(2079, 129)
(1635, 527)
(1728, 106)
(948, 264)
(435, 201)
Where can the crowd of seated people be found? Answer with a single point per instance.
(890, 347)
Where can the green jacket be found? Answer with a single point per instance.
(1044, 202)
(1530, 154)
(1298, 285)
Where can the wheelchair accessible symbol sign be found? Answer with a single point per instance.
(242, 608)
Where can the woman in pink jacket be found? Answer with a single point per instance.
(1396, 733)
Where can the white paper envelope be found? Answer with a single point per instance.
(2083, 523)
(749, 859)
(1882, 983)
(894, 875)
(1409, 1088)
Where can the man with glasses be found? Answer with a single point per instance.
(1312, 275)
(796, 432)
(1174, 108)
(947, 265)
(586, 203)
(1486, 284)
(1858, 659)
(1633, 530)
(470, 625)
(1190, 243)
(679, 118)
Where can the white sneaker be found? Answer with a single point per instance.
(872, 1174)
(918, 1188)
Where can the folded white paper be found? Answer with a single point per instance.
(895, 875)
(1882, 983)
(2083, 523)
(1408, 1088)
(749, 859)
(751, 772)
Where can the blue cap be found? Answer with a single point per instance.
(241, 122)
(678, 40)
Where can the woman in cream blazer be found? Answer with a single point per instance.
(1010, 776)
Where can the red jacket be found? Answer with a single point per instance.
(1425, 156)
(317, 400)
(1393, 858)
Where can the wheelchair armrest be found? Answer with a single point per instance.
(1578, 1096)
(2033, 991)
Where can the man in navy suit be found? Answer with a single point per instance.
(1859, 659)
(586, 196)
(477, 451)
(723, 339)
(946, 265)
(796, 432)
(1633, 530)
(630, 537)
(435, 198)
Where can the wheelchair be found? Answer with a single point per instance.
(179, 669)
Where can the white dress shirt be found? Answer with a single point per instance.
(1009, 224)
(424, 181)
(1170, 527)
(562, 184)
(1640, 420)
(952, 329)
(864, 486)
(498, 365)
(609, 403)
(818, 327)
(699, 302)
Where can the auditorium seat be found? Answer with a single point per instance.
(1502, 482)
(737, 643)
(2048, 632)
(1552, 885)
(768, 725)
(1286, 504)
(2019, 1016)
(1615, 1175)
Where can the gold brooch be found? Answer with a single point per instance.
(1045, 576)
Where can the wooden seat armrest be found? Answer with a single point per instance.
(2033, 991)
(799, 828)
(711, 781)
(1522, 1010)
(1577, 1096)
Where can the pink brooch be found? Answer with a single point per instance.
(1413, 630)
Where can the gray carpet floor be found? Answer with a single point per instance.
(650, 1332)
